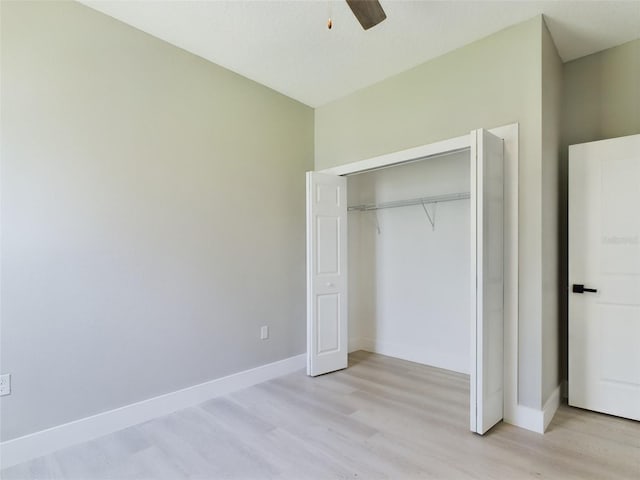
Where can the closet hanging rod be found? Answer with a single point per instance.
(449, 197)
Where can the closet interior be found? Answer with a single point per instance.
(409, 245)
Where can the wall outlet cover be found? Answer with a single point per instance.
(264, 332)
(5, 384)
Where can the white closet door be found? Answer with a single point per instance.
(487, 302)
(327, 327)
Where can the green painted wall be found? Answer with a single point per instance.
(602, 95)
(489, 83)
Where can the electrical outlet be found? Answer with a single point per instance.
(264, 332)
(5, 384)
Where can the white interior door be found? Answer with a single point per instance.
(604, 276)
(487, 281)
(327, 327)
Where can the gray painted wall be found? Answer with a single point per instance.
(152, 217)
(551, 120)
(602, 95)
(492, 82)
(601, 99)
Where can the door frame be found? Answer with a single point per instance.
(509, 133)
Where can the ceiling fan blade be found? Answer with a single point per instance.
(368, 12)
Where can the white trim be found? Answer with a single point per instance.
(475, 215)
(309, 268)
(40, 443)
(532, 419)
(403, 156)
(510, 136)
(525, 417)
(551, 407)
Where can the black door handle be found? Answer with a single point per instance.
(579, 288)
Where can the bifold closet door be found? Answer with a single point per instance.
(487, 281)
(327, 327)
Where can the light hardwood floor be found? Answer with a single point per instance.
(380, 418)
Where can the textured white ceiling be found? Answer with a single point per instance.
(286, 44)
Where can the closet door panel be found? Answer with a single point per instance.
(487, 314)
(327, 341)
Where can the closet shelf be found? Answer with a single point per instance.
(449, 197)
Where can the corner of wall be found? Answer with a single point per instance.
(553, 226)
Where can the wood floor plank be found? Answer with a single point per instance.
(381, 418)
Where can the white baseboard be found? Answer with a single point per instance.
(531, 418)
(412, 354)
(526, 417)
(551, 407)
(40, 443)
